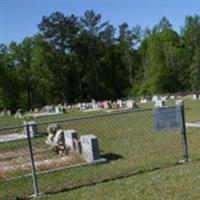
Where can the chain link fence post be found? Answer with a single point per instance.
(183, 134)
(34, 176)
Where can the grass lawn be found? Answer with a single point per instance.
(175, 183)
(132, 147)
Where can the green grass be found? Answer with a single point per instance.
(174, 183)
(132, 146)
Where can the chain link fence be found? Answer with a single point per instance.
(127, 143)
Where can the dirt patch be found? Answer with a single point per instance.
(18, 163)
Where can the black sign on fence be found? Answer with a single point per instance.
(167, 118)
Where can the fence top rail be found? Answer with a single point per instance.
(80, 118)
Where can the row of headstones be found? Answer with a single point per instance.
(161, 103)
(47, 109)
(195, 96)
(164, 98)
(5, 112)
(107, 104)
(157, 98)
(86, 146)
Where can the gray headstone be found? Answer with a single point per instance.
(70, 136)
(89, 148)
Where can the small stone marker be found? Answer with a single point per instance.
(70, 136)
(89, 148)
(32, 128)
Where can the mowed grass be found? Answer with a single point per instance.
(175, 183)
(131, 146)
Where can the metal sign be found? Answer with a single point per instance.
(167, 118)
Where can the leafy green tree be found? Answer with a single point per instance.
(195, 71)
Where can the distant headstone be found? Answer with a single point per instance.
(19, 113)
(155, 98)
(94, 104)
(195, 96)
(105, 104)
(130, 104)
(159, 103)
(179, 102)
(70, 136)
(89, 148)
(8, 113)
(120, 103)
(57, 109)
(172, 97)
(143, 101)
(164, 98)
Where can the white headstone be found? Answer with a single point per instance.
(57, 109)
(130, 104)
(164, 98)
(172, 97)
(195, 96)
(159, 103)
(155, 98)
(89, 148)
(143, 101)
(120, 103)
(70, 136)
(94, 104)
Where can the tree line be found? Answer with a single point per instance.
(79, 58)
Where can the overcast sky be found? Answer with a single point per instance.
(19, 18)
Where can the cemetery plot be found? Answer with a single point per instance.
(15, 159)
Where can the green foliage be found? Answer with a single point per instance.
(75, 59)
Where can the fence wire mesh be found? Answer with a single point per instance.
(126, 140)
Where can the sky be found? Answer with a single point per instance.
(19, 18)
